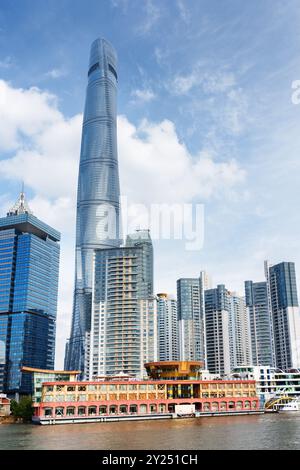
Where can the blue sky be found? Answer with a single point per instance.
(205, 116)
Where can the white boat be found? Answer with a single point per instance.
(291, 406)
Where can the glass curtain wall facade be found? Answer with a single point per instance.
(191, 317)
(98, 191)
(124, 326)
(260, 323)
(29, 270)
(285, 314)
(218, 331)
(167, 322)
(227, 331)
(239, 332)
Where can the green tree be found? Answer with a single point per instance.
(22, 409)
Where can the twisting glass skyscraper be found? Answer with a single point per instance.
(98, 190)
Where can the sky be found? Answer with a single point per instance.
(205, 116)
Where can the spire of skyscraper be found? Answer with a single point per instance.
(21, 206)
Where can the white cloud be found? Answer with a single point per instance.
(46, 145)
(143, 96)
(24, 113)
(6, 63)
(157, 167)
(152, 15)
(209, 82)
(235, 112)
(56, 73)
(160, 55)
(218, 82)
(41, 147)
(183, 11)
(182, 84)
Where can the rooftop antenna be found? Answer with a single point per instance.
(21, 206)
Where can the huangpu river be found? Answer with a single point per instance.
(272, 431)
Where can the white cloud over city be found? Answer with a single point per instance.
(205, 115)
(41, 147)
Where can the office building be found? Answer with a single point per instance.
(227, 331)
(29, 268)
(284, 307)
(256, 294)
(191, 317)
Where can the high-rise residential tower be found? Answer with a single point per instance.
(260, 323)
(167, 324)
(284, 307)
(98, 208)
(227, 331)
(29, 268)
(191, 317)
(124, 321)
(240, 332)
(218, 336)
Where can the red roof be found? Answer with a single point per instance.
(4, 401)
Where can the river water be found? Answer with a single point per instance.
(273, 431)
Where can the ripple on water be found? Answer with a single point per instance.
(236, 432)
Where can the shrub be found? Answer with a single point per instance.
(22, 409)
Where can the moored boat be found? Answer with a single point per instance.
(292, 406)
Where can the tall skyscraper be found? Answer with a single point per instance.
(29, 268)
(191, 317)
(283, 300)
(239, 332)
(98, 208)
(218, 337)
(260, 323)
(167, 323)
(124, 321)
(227, 331)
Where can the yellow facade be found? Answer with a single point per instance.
(94, 392)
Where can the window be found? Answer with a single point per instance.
(132, 387)
(112, 70)
(81, 411)
(93, 68)
(70, 411)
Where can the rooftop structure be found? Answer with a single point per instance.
(174, 370)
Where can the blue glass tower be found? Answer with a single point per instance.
(29, 268)
(98, 191)
(284, 306)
